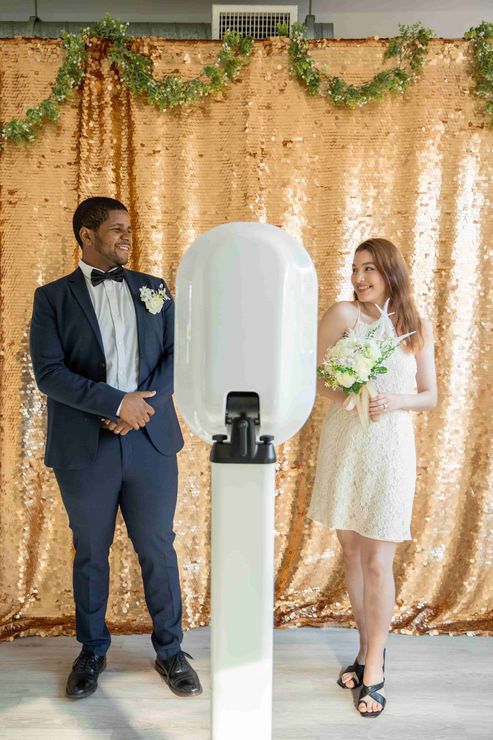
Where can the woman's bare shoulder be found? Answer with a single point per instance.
(342, 310)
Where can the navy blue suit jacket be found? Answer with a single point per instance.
(69, 366)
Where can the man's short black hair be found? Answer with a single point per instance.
(92, 212)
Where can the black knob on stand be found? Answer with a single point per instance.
(220, 438)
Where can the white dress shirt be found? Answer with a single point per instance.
(115, 312)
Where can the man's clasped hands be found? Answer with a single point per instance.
(134, 413)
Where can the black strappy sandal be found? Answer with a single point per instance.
(358, 670)
(372, 691)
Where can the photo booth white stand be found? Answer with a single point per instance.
(245, 379)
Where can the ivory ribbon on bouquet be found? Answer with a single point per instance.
(361, 401)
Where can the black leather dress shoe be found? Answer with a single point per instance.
(179, 674)
(83, 681)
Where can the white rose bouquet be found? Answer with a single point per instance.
(353, 363)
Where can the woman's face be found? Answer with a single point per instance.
(367, 281)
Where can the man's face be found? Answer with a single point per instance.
(110, 244)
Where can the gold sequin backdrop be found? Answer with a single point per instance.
(417, 169)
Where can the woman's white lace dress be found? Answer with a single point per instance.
(366, 482)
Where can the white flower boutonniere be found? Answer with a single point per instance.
(154, 299)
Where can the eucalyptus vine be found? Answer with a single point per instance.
(410, 48)
(135, 70)
(481, 38)
(136, 73)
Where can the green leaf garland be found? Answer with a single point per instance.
(171, 91)
(70, 75)
(411, 47)
(136, 73)
(483, 63)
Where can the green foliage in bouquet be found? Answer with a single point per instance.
(481, 38)
(333, 371)
(410, 47)
(135, 71)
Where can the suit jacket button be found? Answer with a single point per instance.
(101, 364)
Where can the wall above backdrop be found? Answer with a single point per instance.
(354, 19)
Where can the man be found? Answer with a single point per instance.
(102, 351)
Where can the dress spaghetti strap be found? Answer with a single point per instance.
(357, 320)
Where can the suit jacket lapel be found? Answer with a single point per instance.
(79, 289)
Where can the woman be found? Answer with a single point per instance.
(364, 484)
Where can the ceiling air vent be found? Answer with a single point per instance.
(256, 21)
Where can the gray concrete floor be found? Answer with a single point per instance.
(438, 688)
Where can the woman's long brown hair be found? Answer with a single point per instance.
(390, 264)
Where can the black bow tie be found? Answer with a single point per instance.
(98, 277)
